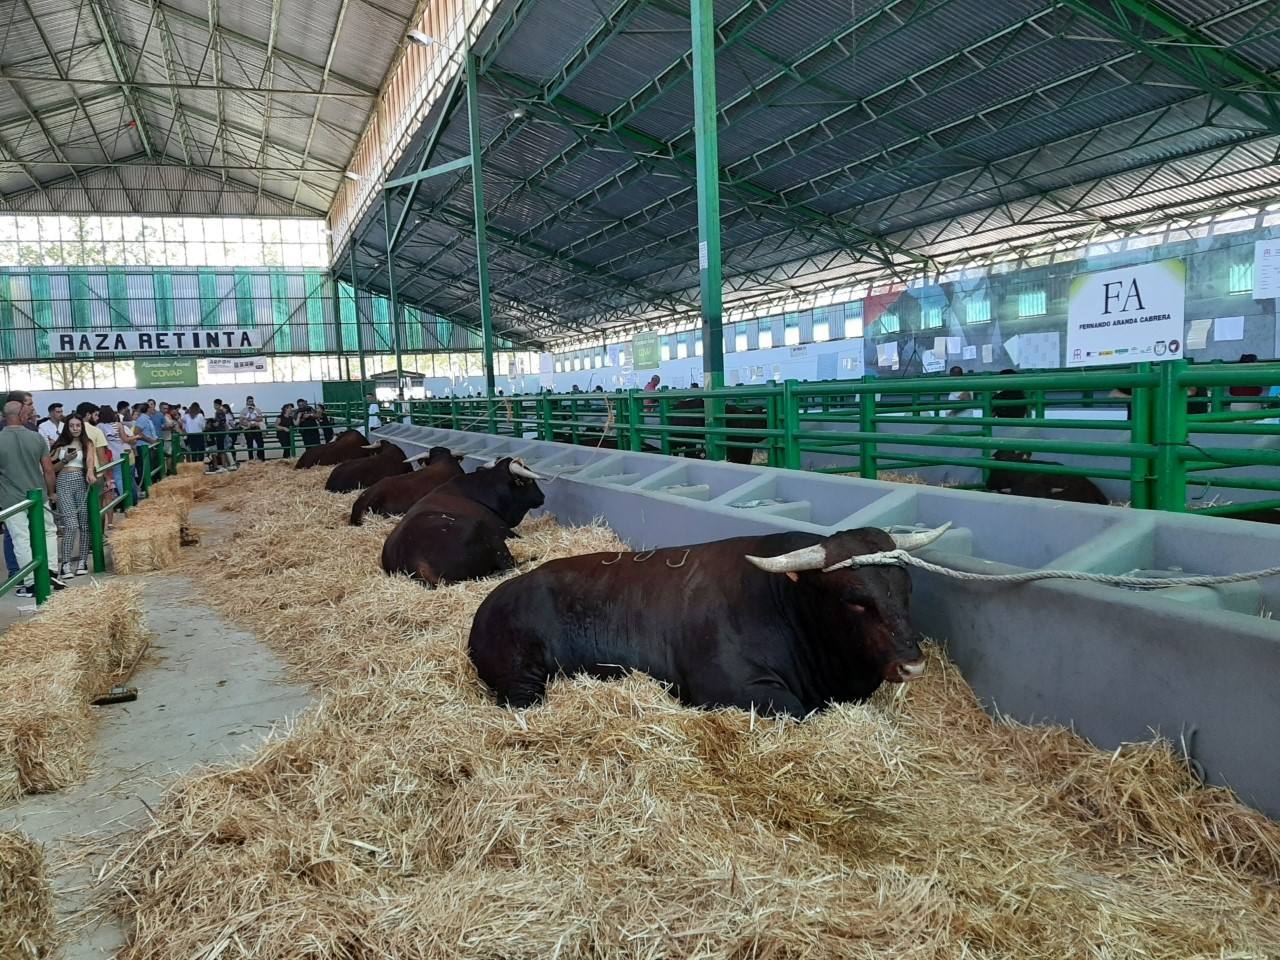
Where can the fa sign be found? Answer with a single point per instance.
(1126, 316)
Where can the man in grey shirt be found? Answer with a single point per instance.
(25, 466)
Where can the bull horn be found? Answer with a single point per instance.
(918, 541)
(520, 470)
(418, 456)
(459, 456)
(806, 558)
(372, 446)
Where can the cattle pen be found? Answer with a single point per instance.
(639, 479)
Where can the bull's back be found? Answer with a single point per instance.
(677, 614)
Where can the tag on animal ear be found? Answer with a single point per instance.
(793, 576)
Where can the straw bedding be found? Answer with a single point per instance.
(26, 905)
(406, 815)
(54, 664)
(150, 537)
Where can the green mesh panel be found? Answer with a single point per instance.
(316, 320)
(209, 301)
(244, 300)
(283, 339)
(8, 341)
(162, 293)
(41, 310)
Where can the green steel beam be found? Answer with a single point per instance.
(702, 22)
(414, 178)
(482, 239)
(391, 295)
(449, 102)
(1201, 55)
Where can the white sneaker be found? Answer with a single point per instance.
(82, 569)
(65, 571)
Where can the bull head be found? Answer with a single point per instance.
(815, 557)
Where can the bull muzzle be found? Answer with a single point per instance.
(904, 671)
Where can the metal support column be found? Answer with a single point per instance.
(355, 308)
(482, 240)
(707, 146)
(391, 294)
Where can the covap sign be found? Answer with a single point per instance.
(1129, 315)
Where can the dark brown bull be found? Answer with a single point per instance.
(350, 445)
(753, 621)
(1041, 486)
(387, 461)
(458, 531)
(396, 495)
(736, 418)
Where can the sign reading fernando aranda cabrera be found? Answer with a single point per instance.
(110, 342)
(1130, 315)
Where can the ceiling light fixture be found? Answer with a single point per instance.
(518, 113)
(417, 36)
(351, 175)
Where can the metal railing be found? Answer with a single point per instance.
(1139, 421)
(38, 568)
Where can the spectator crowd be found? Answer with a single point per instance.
(66, 452)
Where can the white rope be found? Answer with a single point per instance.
(900, 557)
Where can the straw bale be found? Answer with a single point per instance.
(407, 815)
(150, 543)
(26, 903)
(175, 488)
(195, 470)
(54, 664)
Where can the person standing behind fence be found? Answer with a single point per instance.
(146, 430)
(308, 425)
(73, 462)
(109, 424)
(252, 420)
(25, 466)
(193, 427)
(51, 429)
(326, 423)
(284, 430)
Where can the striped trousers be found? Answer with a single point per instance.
(73, 516)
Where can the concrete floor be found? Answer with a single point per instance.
(207, 691)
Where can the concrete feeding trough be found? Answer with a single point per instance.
(1117, 664)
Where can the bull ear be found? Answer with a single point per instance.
(806, 558)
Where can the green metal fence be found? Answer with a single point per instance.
(38, 568)
(861, 425)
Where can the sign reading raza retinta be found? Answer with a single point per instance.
(107, 342)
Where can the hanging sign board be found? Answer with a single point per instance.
(166, 372)
(644, 350)
(1266, 269)
(236, 364)
(1129, 315)
(108, 343)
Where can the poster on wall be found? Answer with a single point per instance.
(108, 343)
(166, 372)
(1126, 316)
(645, 352)
(851, 364)
(1266, 269)
(236, 364)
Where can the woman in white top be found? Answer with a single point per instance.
(109, 424)
(193, 427)
(73, 462)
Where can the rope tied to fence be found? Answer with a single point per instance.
(903, 558)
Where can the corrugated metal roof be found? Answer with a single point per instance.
(229, 132)
(858, 137)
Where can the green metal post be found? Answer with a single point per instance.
(544, 408)
(1170, 438)
(355, 309)
(97, 538)
(1141, 476)
(482, 239)
(707, 156)
(39, 551)
(126, 474)
(391, 293)
(790, 426)
(634, 412)
(867, 424)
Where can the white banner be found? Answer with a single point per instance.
(236, 364)
(1127, 316)
(106, 343)
(1266, 269)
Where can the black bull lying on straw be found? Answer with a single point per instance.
(740, 622)
(459, 530)
(395, 495)
(349, 445)
(388, 460)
